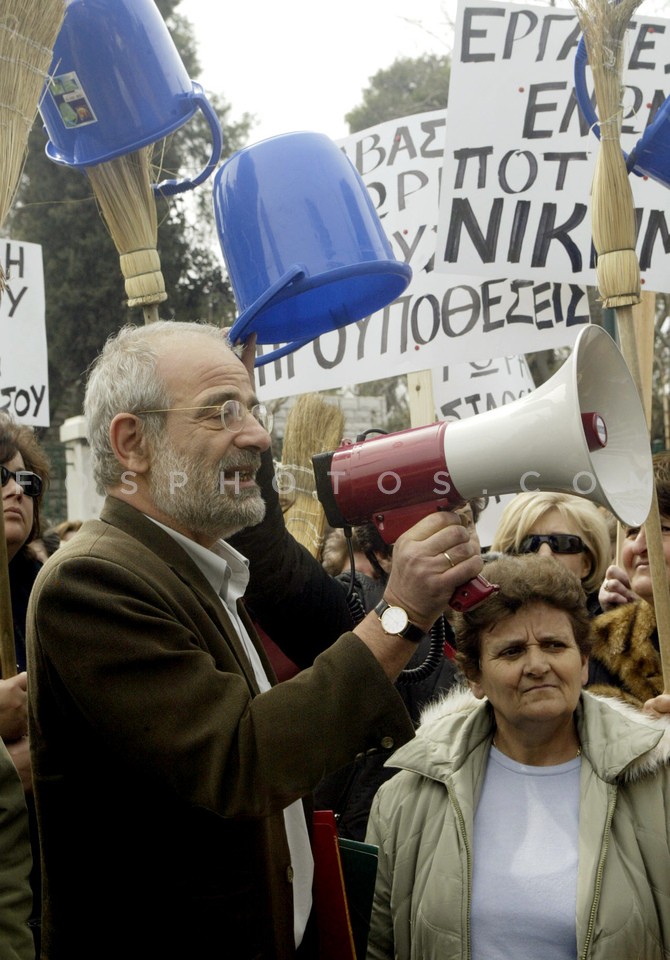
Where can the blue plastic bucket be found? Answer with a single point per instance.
(651, 154)
(303, 245)
(650, 157)
(117, 83)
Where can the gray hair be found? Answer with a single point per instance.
(124, 379)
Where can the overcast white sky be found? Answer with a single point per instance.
(303, 64)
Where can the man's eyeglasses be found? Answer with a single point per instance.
(558, 542)
(29, 482)
(232, 413)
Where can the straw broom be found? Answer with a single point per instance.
(313, 426)
(123, 189)
(28, 31)
(604, 25)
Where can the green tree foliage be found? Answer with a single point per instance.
(56, 208)
(406, 87)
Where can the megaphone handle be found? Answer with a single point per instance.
(242, 327)
(168, 188)
(469, 594)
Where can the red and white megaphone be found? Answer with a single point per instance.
(582, 432)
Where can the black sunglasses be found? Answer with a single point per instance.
(29, 482)
(558, 542)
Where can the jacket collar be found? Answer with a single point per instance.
(619, 742)
(135, 524)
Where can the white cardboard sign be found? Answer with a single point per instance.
(24, 384)
(520, 157)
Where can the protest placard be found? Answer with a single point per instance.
(24, 384)
(519, 160)
(465, 389)
(439, 319)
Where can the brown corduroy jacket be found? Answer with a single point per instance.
(160, 773)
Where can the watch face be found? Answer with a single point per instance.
(394, 619)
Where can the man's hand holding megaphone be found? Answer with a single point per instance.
(430, 561)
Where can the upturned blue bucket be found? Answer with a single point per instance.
(117, 83)
(303, 245)
(650, 157)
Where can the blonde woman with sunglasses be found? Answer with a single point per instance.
(568, 528)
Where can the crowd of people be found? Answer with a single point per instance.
(157, 783)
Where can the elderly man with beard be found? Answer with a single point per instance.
(170, 768)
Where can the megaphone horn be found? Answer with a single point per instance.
(582, 432)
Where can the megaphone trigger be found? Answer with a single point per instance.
(469, 594)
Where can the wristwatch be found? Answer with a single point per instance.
(394, 621)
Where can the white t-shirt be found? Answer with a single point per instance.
(228, 574)
(525, 858)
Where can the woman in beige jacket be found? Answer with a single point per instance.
(530, 819)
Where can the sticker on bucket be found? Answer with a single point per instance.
(71, 101)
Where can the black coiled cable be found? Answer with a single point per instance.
(437, 634)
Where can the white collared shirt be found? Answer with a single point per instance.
(227, 572)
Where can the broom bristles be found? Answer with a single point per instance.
(313, 426)
(123, 189)
(28, 31)
(604, 25)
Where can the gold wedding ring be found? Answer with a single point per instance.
(451, 562)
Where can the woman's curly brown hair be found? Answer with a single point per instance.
(19, 438)
(523, 580)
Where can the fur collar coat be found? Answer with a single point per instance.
(624, 659)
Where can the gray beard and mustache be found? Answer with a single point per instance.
(195, 496)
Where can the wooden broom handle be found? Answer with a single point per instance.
(659, 583)
(7, 648)
(421, 402)
(652, 527)
(150, 313)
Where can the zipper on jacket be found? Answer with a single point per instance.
(599, 874)
(468, 857)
